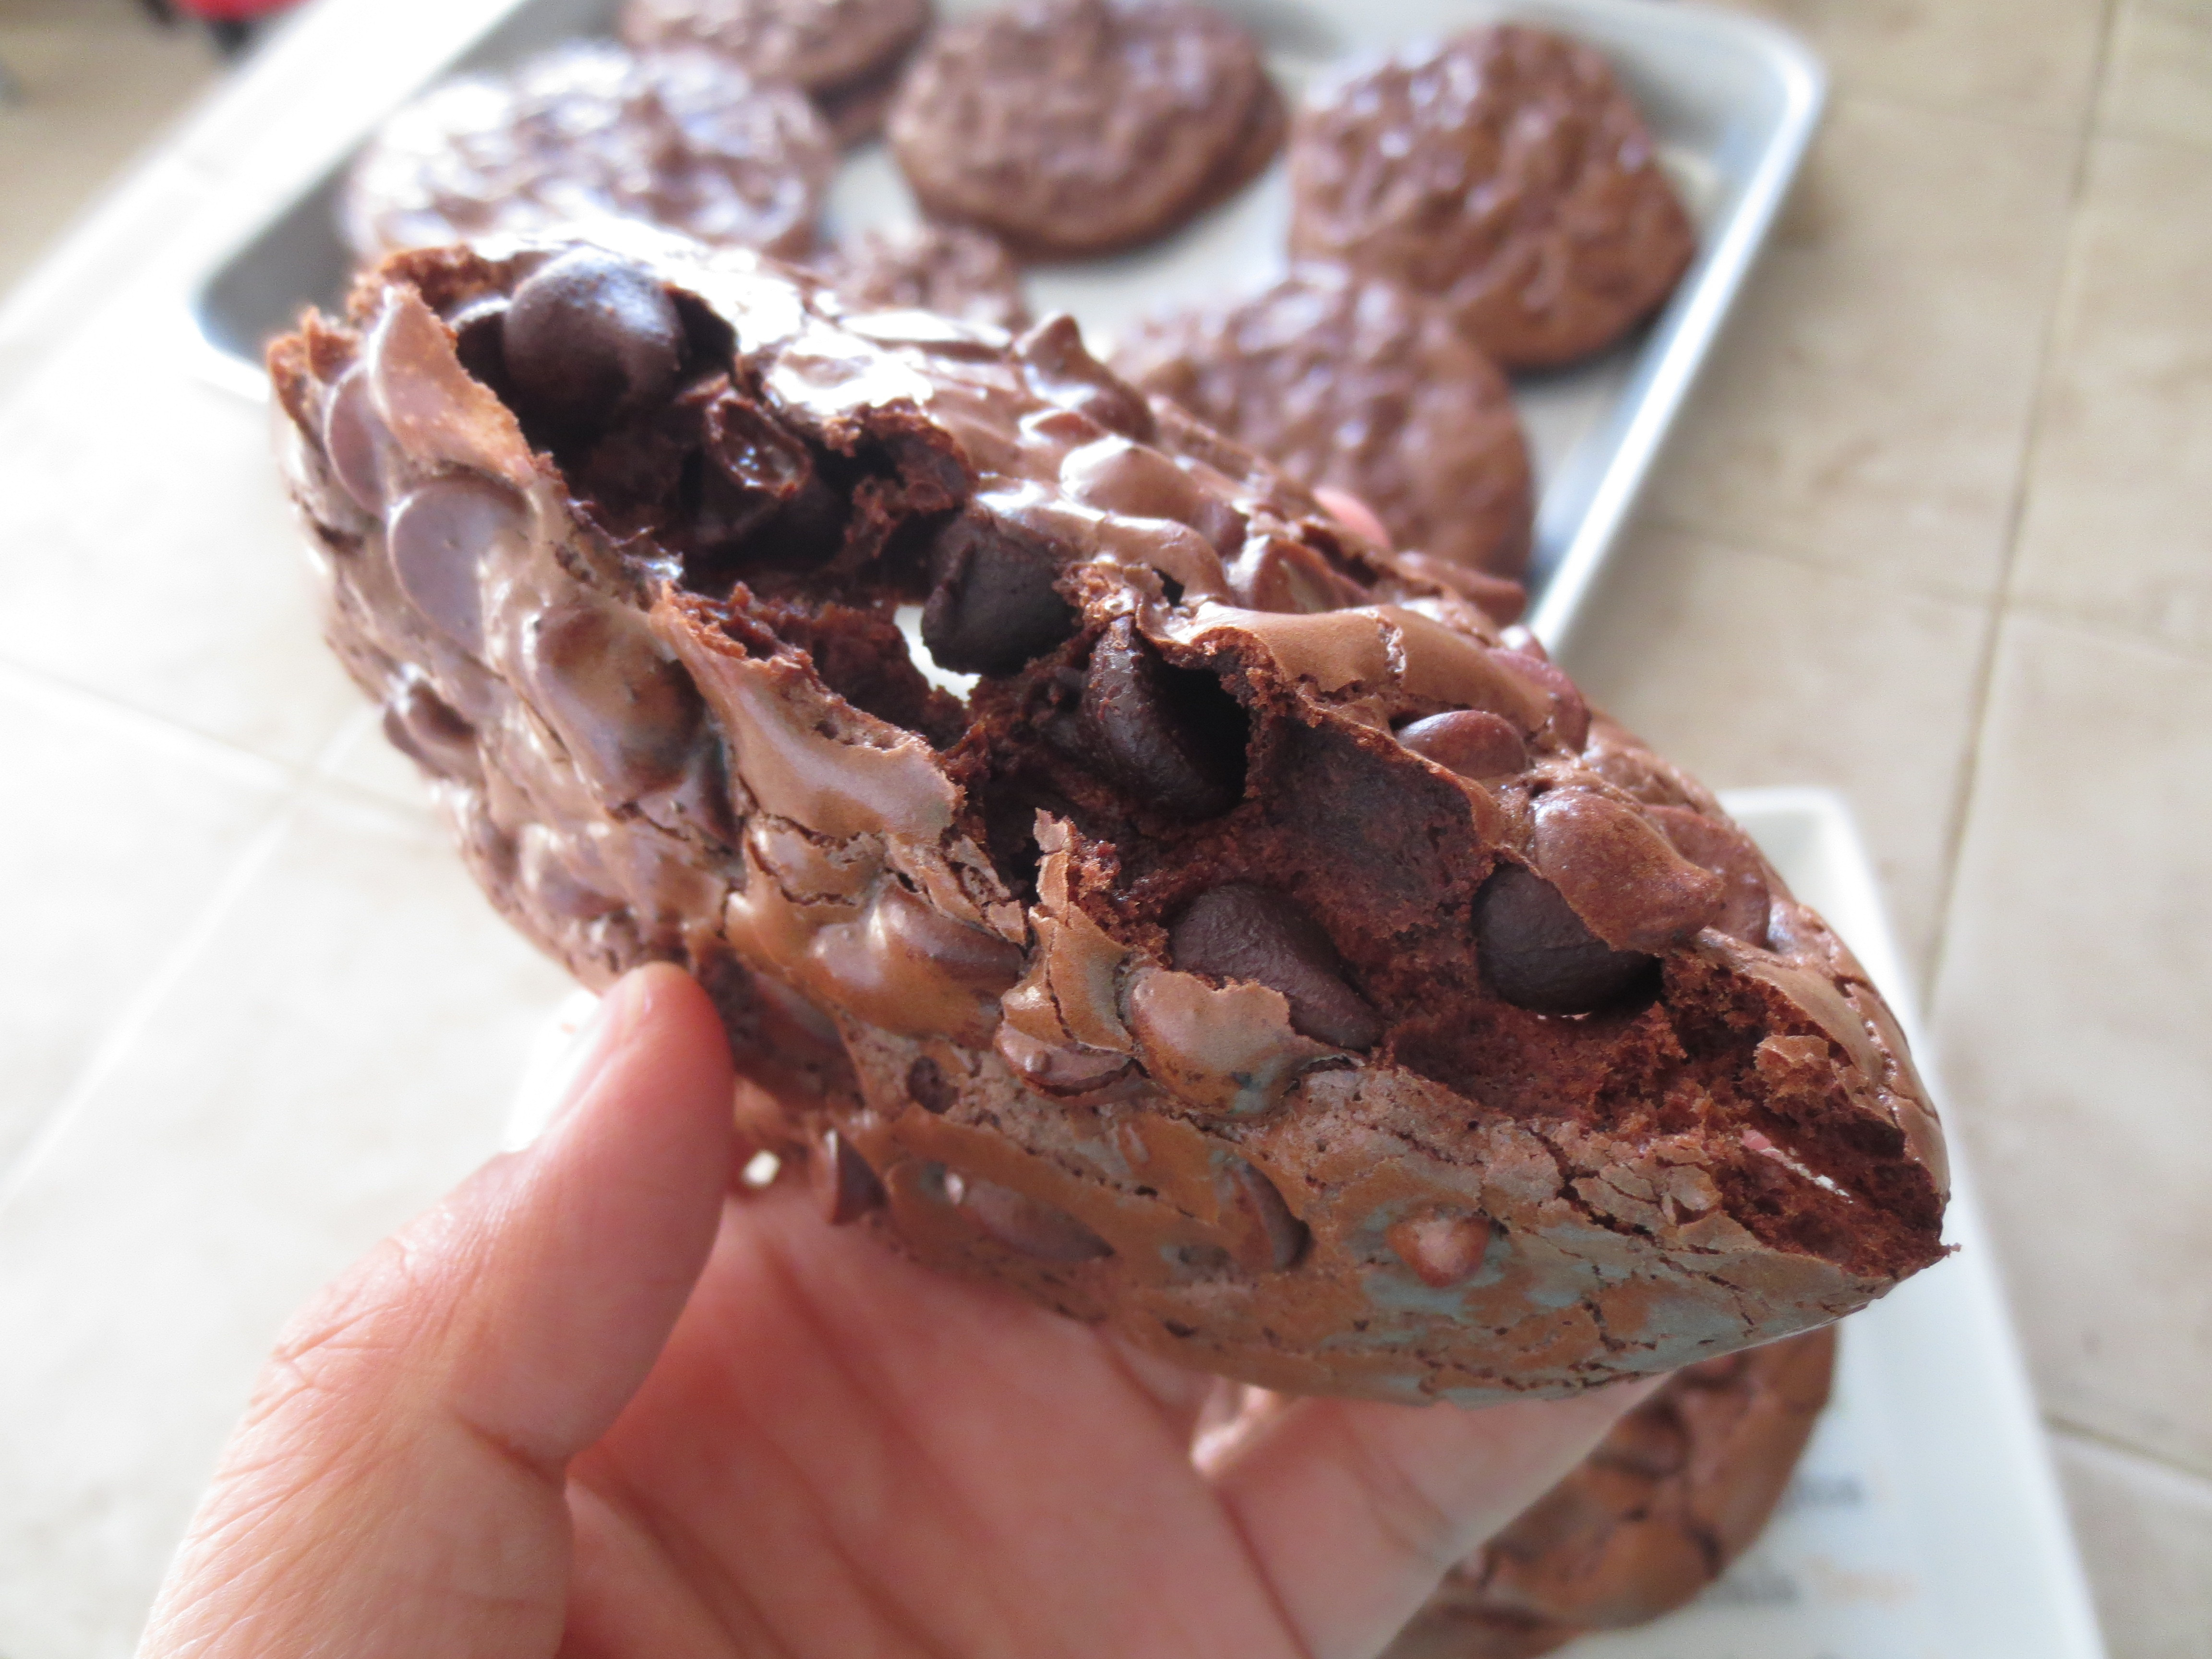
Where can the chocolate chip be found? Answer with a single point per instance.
(993, 606)
(353, 441)
(590, 336)
(1275, 1239)
(1171, 735)
(437, 535)
(1712, 844)
(1620, 873)
(844, 1186)
(1243, 931)
(479, 340)
(1024, 1224)
(629, 716)
(423, 726)
(1061, 370)
(1471, 742)
(764, 465)
(928, 1087)
(1538, 955)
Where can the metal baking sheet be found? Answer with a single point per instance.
(1731, 101)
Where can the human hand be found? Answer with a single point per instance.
(596, 1405)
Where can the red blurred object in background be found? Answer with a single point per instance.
(231, 11)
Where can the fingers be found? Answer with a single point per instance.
(396, 1485)
(1353, 1511)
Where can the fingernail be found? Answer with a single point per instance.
(564, 1060)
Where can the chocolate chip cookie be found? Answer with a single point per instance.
(1360, 386)
(1507, 174)
(678, 138)
(1675, 1493)
(1268, 956)
(942, 267)
(1081, 126)
(846, 54)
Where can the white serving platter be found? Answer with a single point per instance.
(1731, 101)
(1925, 1520)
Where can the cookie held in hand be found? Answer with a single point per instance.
(1268, 957)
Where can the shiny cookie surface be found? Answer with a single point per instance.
(1269, 955)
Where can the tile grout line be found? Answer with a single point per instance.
(144, 725)
(140, 1008)
(1799, 558)
(2001, 600)
(2128, 1451)
(304, 784)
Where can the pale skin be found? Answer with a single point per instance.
(600, 1404)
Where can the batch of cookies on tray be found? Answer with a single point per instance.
(1060, 129)
(1271, 956)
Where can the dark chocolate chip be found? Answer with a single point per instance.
(928, 1087)
(1715, 845)
(628, 714)
(1027, 1224)
(479, 340)
(437, 535)
(993, 605)
(1061, 370)
(1243, 931)
(756, 457)
(1275, 1239)
(1620, 873)
(844, 1186)
(423, 726)
(590, 336)
(1471, 742)
(353, 441)
(1171, 735)
(1538, 955)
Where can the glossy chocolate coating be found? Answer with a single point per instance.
(1150, 977)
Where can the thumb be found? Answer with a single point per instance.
(396, 1485)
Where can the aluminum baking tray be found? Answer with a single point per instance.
(1731, 101)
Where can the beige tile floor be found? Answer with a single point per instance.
(1937, 531)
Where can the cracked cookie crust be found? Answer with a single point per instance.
(1265, 952)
